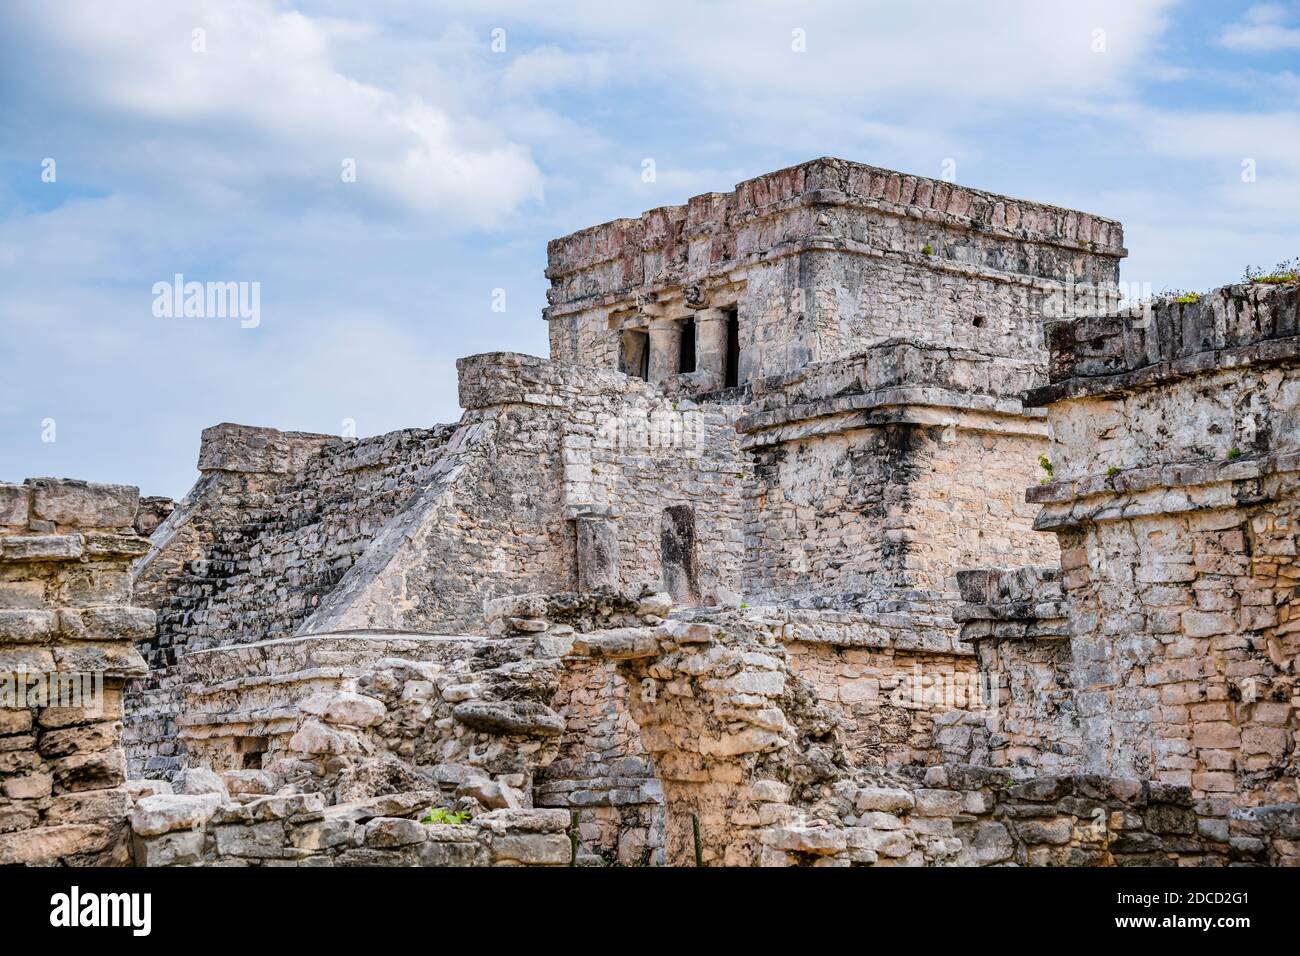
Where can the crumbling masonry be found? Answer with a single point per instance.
(745, 574)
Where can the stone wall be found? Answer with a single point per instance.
(754, 772)
(542, 445)
(66, 632)
(602, 769)
(879, 475)
(888, 700)
(960, 815)
(1174, 500)
(1016, 620)
(273, 523)
(356, 715)
(822, 259)
(208, 829)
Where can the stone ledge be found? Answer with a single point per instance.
(834, 182)
(254, 450)
(1230, 327)
(1176, 475)
(1174, 498)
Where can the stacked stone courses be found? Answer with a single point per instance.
(67, 629)
(827, 532)
(1175, 458)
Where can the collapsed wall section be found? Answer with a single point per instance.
(1016, 620)
(754, 772)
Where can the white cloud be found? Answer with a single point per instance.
(549, 68)
(1264, 29)
(267, 82)
(1018, 51)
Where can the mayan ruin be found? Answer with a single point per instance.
(839, 528)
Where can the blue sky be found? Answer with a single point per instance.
(224, 164)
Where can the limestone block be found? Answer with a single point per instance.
(49, 845)
(887, 799)
(258, 841)
(257, 782)
(383, 832)
(327, 834)
(14, 505)
(200, 780)
(180, 848)
(138, 789)
(43, 547)
(531, 849)
(452, 853)
(26, 626)
(820, 841)
(523, 821)
(313, 737)
(107, 623)
(526, 718)
(346, 708)
(83, 504)
(165, 812)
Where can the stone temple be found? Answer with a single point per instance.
(832, 532)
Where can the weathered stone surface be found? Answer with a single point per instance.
(163, 813)
(181, 848)
(82, 504)
(315, 738)
(392, 831)
(510, 717)
(200, 780)
(532, 849)
(375, 617)
(887, 799)
(352, 710)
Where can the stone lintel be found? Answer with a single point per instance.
(734, 272)
(891, 407)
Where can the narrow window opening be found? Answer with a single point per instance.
(677, 554)
(251, 750)
(686, 351)
(634, 353)
(733, 349)
(978, 321)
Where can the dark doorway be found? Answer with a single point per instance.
(686, 353)
(677, 552)
(732, 378)
(634, 353)
(251, 750)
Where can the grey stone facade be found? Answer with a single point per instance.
(746, 550)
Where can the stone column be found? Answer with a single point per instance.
(711, 346)
(665, 348)
(66, 646)
(597, 552)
